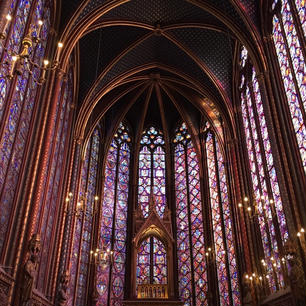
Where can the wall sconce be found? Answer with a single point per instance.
(80, 206)
(101, 257)
(253, 210)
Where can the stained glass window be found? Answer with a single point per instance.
(301, 8)
(82, 239)
(17, 114)
(224, 250)
(152, 173)
(151, 262)
(189, 220)
(262, 169)
(292, 67)
(110, 279)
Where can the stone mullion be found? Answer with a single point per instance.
(212, 278)
(172, 207)
(73, 185)
(247, 237)
(280, 160)
(189, 221)
(295, 177)
(298, 27)
(91, 218)
(266, 170)
(94, 243)
(257, 173)
(151, 239)
(267, 230)
(292, 68)
(234, 211)
(290, 154)
(253, 227)
(114, 220)
(130, 224)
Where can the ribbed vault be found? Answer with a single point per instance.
(190, 45)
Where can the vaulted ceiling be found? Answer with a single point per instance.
(184, 50)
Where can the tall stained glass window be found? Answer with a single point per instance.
(189, 221)
(110, 278)
(224, 249)
(17, 100)
(151, 262)
(290, 51)
(152, 173)
(82, 240)
(266, 192)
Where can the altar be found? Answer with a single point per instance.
(152, 302)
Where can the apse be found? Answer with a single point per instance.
(152, 152)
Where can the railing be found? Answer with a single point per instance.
(152, 291)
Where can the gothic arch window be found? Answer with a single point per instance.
(266, 193)
(288, 42)
(189, 221)
(83, 235)
(113, 235)
(18, 98)
(221, 220)
(152, 173)
(151, 262)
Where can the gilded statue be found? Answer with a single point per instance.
(29, 271)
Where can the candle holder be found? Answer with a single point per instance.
(253, 209)
(18, 63)
(101, 257)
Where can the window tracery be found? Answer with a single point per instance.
(224, 243)
(18, 98)
(83, 236)
(151, 262)
(266, 191)
(152, 171)
(110, 279)
(189, 220)
(291, 59)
